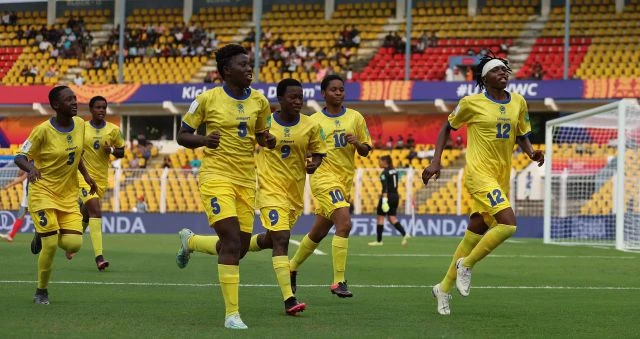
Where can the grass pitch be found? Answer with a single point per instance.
(524, 289)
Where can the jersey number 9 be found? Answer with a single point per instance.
(273, 217)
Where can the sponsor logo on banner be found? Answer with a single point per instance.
(309, 91)
(6, 220)
(527, 89)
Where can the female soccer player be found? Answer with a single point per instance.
(496, 119)
(21, 178)
(389, 199)
(55, 146)
(347, 133)
(101, 139)
(235, 117)
(281, 178)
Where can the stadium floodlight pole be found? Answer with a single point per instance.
(567, 29)
(407, 47)
(121, 19)
(257, 8)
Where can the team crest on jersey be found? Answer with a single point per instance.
(69, 139)
(241, 108)
(287, 132)
(337, 122)
(503, 110)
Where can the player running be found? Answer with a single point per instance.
(388, 203)
(347, 133)
(55, 146)
(21, 178)
(496, 119)
(101, 140)
(235, 117)
(281, 179)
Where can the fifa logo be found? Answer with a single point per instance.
(287, 132)
(240, 108)
(503, 110)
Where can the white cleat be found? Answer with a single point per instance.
(182, 258)
(234, 322)
(375, 243)
(463, 280)
(404, 239)
(443, 300)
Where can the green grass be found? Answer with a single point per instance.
(392, 294)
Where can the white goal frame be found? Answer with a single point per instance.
(618, 193)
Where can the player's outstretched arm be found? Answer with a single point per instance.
(527, 148)
(434, 167)
(23, 163)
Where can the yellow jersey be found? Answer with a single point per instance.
(281, 171)
(95, 159)
(56, 154)
(340, 162)
(237, 120)
(492, 128)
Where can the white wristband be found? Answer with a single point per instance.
(112, 149)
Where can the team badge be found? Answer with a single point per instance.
(241, 108)
(287, 132)
(503, 110)
(69, 139)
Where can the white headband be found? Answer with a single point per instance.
(493, 63)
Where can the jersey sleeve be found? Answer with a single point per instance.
(195, 115)
(383, 181)
(31, 147)
(317, 144)
(460, 115)
(116, 138)
(263, 115)
(363, 132)
(524, 125)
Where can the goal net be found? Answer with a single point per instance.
(592, 179)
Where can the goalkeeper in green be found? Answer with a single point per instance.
(388, 203)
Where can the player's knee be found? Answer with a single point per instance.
(280, 242)
(231, 244)
(70, 242)
(344, 227)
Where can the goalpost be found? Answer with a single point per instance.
(592, 177)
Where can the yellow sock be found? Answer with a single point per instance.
(70, 242)
(468, 242)
(204, 244)
(253, 244)
(307, 246)
(281, 266)
(229, 276)
(339, 248)
(494, 237)
(45, 260)
(95, 231)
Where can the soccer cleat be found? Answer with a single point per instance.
(404, 239)
(375, 243)
(101, 263)
(292, 276)
(234, 322)
(36, 243)
(443, 300)
(69, 255)
(41, 297)
(463, 280)
(183, 256)
(341, 290)
(293, 307)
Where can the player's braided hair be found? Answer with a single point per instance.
(53, 94)
(325, 82)
(95, 99)
(224, 55)
(282, 85)
(477, 72)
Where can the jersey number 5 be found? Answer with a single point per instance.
(503, 131)
(215, 207)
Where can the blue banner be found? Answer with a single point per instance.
(530, 89)
(583, 227)
(170, 223)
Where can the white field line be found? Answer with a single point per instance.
(516, 241)
(160, 284)
(498, 256)
(316, 251)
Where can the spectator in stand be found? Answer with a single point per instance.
(166, 163)
(51, 72)
(423, 42)
(471, 52)
(537, 73)
(354, 37)
(141, 205)
(459, 143)
(378, 143)
(400, 142)
(13, 18)
(433, 40)
(411, 142)
(251, 36)
(6, 18)
(412, 153)
(390, 143)
(79, 80)
(134, 163)
(389, 40)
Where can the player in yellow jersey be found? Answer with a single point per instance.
(235, 117)
(496, 120)
(55, 146)
(346, 133)
(101, 139)
(281, 179)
